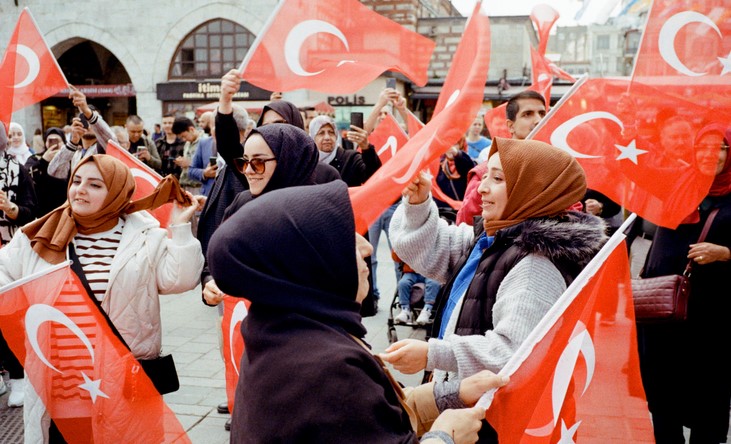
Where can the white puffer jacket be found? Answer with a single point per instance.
(147, 264)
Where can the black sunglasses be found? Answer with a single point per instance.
(257, 164)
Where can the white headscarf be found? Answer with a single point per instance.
(22, 152)
(315, 125)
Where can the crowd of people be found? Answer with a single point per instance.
(261, 211)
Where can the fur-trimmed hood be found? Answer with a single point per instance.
(572, 237)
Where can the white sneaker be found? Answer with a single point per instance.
(17, 392)
(404, 317)
(424, 317)
(3, 387)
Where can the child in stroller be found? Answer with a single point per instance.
(416, 295)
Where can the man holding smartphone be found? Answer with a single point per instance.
(50, 191)
(140, 145)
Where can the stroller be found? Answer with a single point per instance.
(418, 291)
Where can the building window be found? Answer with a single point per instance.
(210, 50)
(602, 42)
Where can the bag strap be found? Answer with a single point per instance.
(701, 238)
(396, 386)
(76, 267)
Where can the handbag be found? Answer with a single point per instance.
(160, 370)
(664, 299)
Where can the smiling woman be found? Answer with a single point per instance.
(113, 241)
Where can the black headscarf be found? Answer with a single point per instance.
(287, 110)
(57, 131)
(293, 250)
(296, 155)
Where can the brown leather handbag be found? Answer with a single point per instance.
(664, 299)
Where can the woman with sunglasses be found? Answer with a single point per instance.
(276, 156)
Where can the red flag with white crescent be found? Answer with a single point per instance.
(89, 382)
(609, 125)
(575, 379)
(332, 46)
(387, 138)
(29, 72)
(234, 312)
(146, 180)
(686, 51)
(443, 130)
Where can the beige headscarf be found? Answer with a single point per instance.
(541, 180)
(50, 234)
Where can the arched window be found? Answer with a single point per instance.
(211, 49)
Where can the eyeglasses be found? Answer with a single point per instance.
(257, 164)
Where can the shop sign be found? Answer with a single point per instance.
(206, 91)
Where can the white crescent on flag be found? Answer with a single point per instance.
(666, 38)
(239, 314)
(297, 36)
(38, 314)
(34, 65)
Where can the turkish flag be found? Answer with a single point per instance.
(443, 130)
(413, 124)
(146, 179)
(29, 72)
(387, 138)
(686, 51)
(543, 17)
(575, 379)
(332, 46)
(495, 121)
(89, 382)
(234, 312)
(609, 126)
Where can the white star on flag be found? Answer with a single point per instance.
(567, 435)
(92, 387)
(726, 62)
(629, 152)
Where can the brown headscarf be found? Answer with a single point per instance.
(541, 180)
(50, 234)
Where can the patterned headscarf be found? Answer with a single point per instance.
(50, 235)
(541, 180)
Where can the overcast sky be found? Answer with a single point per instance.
(566, 8)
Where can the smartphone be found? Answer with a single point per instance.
(212, 160)
(391, 82)
(356, 119)
(84, 120)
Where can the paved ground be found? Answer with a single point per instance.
(189, 334)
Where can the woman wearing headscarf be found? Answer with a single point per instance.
(705, 336)
(454, 165)
(500, 281)
(354, 167)
(306, 374)
(276, 156)
(276, 111)
(17, 207)
(17, 194)
(18, 146)
(127, 259)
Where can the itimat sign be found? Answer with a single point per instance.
(207, 90)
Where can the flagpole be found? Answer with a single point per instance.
(558, 104)
(36, 275)
(257, 41)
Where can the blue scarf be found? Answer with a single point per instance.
(463, 279)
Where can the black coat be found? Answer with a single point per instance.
(291, 252)
(703, 340)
